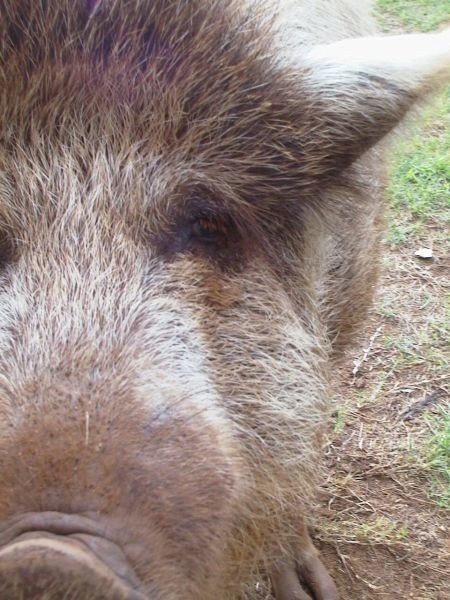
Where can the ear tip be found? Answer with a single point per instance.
(446, 35)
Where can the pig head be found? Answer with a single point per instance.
(189, 213)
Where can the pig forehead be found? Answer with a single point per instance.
(149, 95)
(163, 36)
(116, 171)
(57, 152)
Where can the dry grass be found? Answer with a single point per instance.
(384, 528)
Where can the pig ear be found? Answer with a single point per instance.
(361, 88)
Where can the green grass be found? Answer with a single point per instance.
(418, 15)
(379, 530)
(428, 345)
(382, 530)
(420, 178)
(437, 458)
(419, 190)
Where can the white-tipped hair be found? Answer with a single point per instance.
(413, 61)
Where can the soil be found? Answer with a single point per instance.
(382, 534)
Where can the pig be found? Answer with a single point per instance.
(191, 196)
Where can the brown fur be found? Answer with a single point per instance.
(174, 384)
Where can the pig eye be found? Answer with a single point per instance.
(211, 230)
(207, 233)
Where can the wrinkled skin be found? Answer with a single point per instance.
(188, 229)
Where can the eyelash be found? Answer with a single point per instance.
(204, 232)
(211, 230)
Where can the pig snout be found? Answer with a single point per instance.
(140, 509)
(53, 555)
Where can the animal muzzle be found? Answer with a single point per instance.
(52, 556)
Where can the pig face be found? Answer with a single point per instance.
(175, 198)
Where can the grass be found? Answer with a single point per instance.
(418, 15)
(341, 417)
(420, 177)
(377, 530)
(429, 344)
(437, 458)
(382, 529)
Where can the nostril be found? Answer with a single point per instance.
(42, 566)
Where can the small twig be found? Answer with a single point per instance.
(418, 406)
(365, 502)
(343, 558)
(415, 384)
(86, 438)
(360, 437)
(358, 363)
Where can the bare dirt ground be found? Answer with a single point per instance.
(381, 534)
